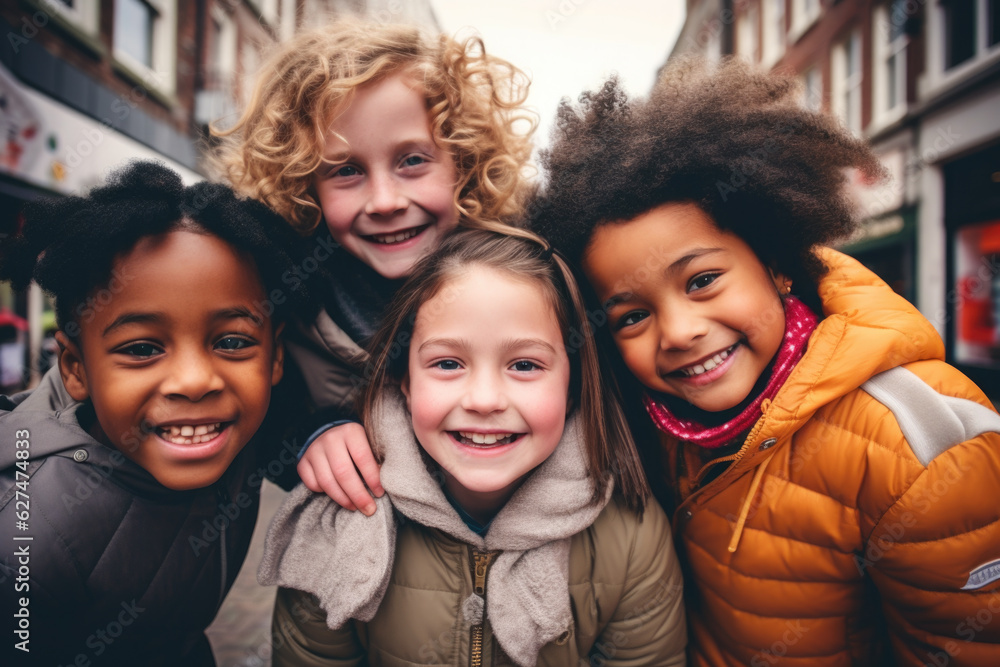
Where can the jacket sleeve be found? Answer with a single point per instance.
(648, 627)
(932, 522)
(300, 635)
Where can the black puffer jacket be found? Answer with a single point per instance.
(114, 568)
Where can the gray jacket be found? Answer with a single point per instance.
(114, 566)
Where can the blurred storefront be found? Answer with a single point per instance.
(972, 221)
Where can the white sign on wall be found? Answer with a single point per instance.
(49, 145)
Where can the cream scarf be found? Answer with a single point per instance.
(345, 558)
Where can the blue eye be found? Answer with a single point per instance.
(413, 160)
(702, 281)
(140, 350)
(448, 365)
(232, 343)
(524, 366)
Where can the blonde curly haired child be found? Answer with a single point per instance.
(475, 105)
(377, 140)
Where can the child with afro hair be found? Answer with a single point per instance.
(834, 484)
(128, 491)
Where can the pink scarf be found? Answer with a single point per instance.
(800, 322)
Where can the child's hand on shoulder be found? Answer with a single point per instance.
(332, 463)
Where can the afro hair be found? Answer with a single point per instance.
(729, 138)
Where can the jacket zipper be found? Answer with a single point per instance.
(736, 458)
(222, 496)
(480, 566)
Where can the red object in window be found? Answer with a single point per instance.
(10, 319)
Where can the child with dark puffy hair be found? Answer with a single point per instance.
(129, 493)
(834, 484)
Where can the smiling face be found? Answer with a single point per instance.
(487, 384)
(176, 363)
(692, 310)
(387, 189)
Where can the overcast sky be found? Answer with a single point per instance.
(568, 46)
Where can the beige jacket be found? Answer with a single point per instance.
(556, 579)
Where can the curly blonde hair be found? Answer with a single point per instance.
(474, 103)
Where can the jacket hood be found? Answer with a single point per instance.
(345, 558)
(48, 414)
(867, 328)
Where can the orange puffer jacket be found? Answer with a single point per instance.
(850, 529)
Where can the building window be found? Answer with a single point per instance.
(267, 9)
(774, 31)
(895, 57)
(249, 64)
(962, 36)
(804, 14)
(959, 31)
(749, 46)
(889, 69)
(82, 14)
(221, 68)
(145, 42)
(847, 78)
(993, 38)
(134, 21)
(812, 90)
(216, 101)
(288, 20)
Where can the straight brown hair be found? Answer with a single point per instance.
(611, 451)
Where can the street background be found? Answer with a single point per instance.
(88, 84)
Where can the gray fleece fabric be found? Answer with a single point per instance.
(345, 558)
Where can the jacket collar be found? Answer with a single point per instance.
(867, 328)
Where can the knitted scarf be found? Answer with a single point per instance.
(800, 322)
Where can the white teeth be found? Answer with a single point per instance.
(485, 438)
(706, 365)
(395, 238)
(190, 435)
